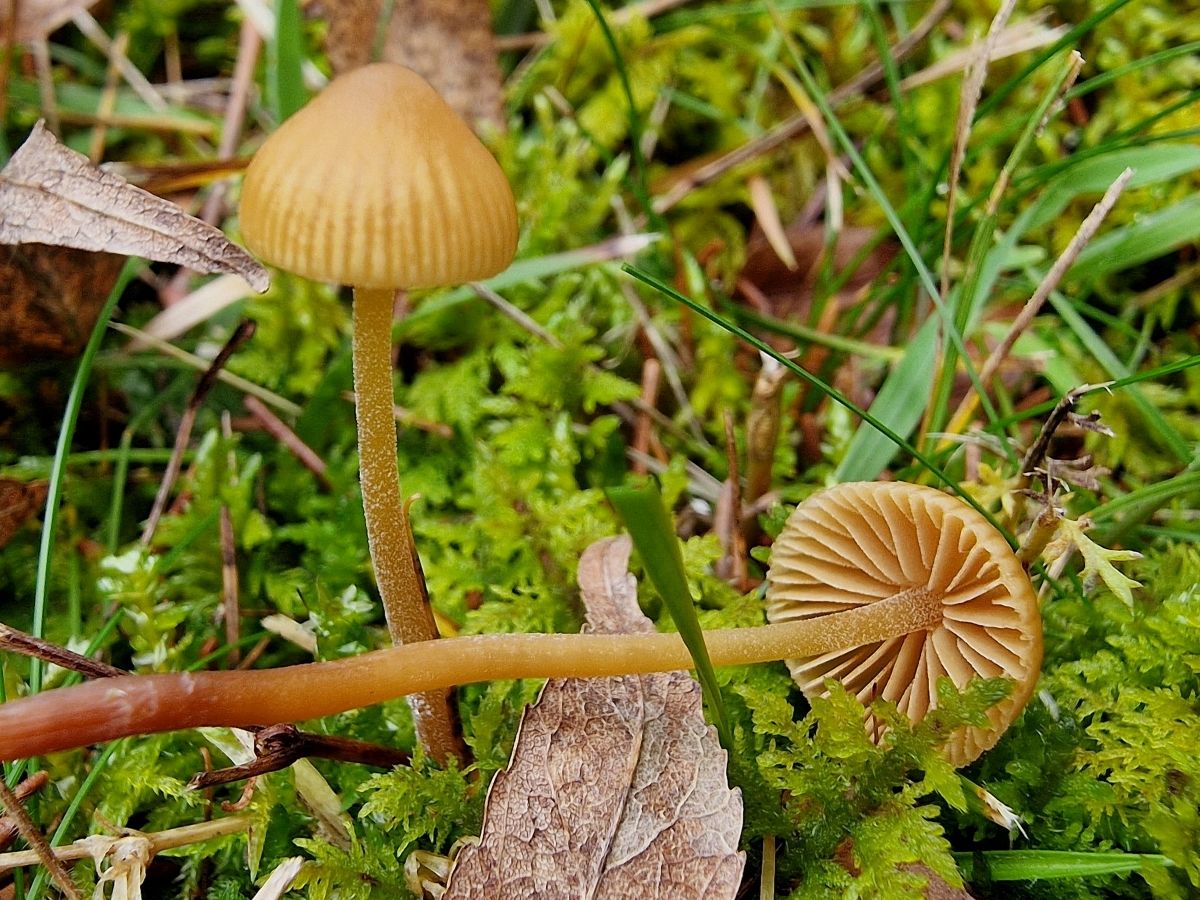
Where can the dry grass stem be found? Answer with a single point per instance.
(146, 92)
(1034, 305)
(279, 430)
(156, 842)
(183, 435)
(166, 348)
(972, 88)
(515, 314)
(643, 423)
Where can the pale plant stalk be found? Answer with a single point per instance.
(389, 536)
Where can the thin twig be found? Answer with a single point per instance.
(727, 518)
(670, 363)
(166, 348)
(278, 746)
(229, 586)
(41, 850)
(279, 430)
(91, 29)
(14, 641)
(45, 77)
(26, 788)
(409, 418)
(108, 97)
(183, 436)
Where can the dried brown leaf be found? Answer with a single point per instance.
(52, 195)
(19, 500)
(789, 292)
(49, 300)
(36, 19)
(448, 42)
(616, 787)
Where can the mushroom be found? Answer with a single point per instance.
(859, 544)
(378, 184)
(880, 568)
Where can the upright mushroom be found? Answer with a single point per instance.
(887, 586)
(377, 183)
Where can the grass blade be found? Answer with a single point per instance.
(1030, 865)
(58, 471)
(285, 86)
(646, 519)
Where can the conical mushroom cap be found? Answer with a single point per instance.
(378, 183)
(855, 544)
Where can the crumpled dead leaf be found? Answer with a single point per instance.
(36, 19)
(19, 500)
(616, 787)
(52, 195)
(448, 42)
(51, 297)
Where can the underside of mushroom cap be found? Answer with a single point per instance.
(856, 544)
(377, 183)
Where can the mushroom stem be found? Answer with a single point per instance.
(137, 704)
(389, 537)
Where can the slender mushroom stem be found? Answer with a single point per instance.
(118, 707)
(397, 568)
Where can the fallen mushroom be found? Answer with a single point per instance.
(927, 572)
(858, 544)
(377, 183)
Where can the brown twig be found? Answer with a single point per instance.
(229, 586)
(26, 788)
(762, 427)
(14, 641)
(279, 430)
(651, 375)
(183, 436)
(727, 519)
(37, 842)
(278, 746)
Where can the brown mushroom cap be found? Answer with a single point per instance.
(377, 183)
(855, 544)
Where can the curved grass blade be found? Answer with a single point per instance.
(58, 471)
(828, 390)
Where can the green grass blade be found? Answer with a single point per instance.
(649, 524)
(901, 403)
(1142, 240)
(828, 390)
(285, 81)
(1031, 865)
(641, 183)
(41, 589)
(996, 99)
